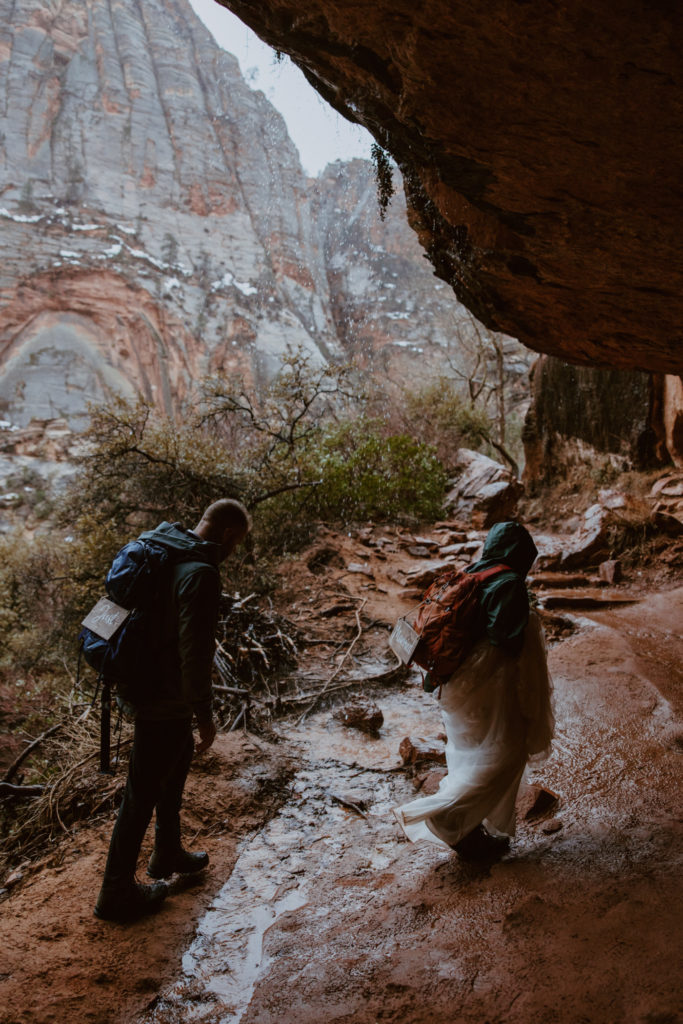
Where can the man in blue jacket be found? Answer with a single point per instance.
(163, 742)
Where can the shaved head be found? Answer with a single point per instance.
(227, 514)
(225, 522)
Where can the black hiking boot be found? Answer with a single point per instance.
(479, 846)
(164, 863)
(128, 902)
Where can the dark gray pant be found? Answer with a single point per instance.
(159, 763)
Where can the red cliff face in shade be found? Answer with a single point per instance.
(540, 146)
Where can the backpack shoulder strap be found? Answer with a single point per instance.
(493, 570)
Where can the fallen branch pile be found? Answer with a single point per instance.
(255, 649)
(256, 654)
(68, 787)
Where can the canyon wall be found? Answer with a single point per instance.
(156, 225)
(540, 146)
(578, 414)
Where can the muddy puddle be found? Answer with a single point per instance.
(338, 822)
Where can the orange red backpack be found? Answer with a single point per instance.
(446, 621)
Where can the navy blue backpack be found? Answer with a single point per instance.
(139, 580)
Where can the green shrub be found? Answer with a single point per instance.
(365, 475)
(438, 415)
(46, 586)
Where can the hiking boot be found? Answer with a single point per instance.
(164, 863)
(480, 846)
(125, 903)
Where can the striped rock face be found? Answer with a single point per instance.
(156, 224)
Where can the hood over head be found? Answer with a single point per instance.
(511, 544)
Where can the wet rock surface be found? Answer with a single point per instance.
(315, 906)
(330, 913)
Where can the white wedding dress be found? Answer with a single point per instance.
(497, 712)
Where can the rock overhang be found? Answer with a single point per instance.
(540, 148)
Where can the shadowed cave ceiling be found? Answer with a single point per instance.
(541, 151)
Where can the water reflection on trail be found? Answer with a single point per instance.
(315, 836)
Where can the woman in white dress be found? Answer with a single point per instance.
(496, 709)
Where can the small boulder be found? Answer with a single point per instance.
(552, 826)
(610, 571)
(14, 878)
(360, 567)
(669, 486)
(361, 713)
(484, 490)
(454, 537)
(463, 548)
(418, 551)
(414, 749)
(425, 574)
(428, 782)
(427, 542)
(667, 523)
(591, 543)
(609, 498)
(536, 802)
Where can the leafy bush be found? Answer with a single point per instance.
(45, 587)
(365, 475)
(438, 415)
(297, 452)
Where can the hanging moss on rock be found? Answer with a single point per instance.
(384, 178)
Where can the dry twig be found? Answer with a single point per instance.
(16, 764)
(359, 631)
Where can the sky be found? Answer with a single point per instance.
(319, 132)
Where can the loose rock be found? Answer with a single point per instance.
(426, 542)
(414, 749)
(428, 782)
(610, 571)
(419, 551)
(667, 523)
(361, 713)
(357, 567)
(536, 802)
(424, 575)
(462, 548)
(552, 826)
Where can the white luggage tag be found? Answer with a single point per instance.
(403, 641)
(105, 618)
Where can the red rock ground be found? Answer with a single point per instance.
(579, 924)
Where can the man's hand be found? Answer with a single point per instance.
(207, 734)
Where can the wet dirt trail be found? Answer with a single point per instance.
(329, 914)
